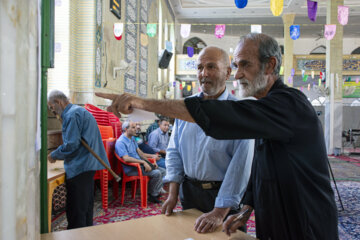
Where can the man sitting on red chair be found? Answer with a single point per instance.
(127, 148)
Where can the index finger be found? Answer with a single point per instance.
(106, 95)
(228, 223)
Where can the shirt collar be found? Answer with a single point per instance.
(67, 108)
(223, 96)
(161, 132)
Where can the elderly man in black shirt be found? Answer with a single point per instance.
(289, 186)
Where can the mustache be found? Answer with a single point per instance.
(243, 81)
(203, 80)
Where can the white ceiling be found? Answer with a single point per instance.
(204, 14)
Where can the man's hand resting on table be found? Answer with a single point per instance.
(209, 222)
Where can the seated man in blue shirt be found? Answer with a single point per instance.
(159, 138)
(80, 165)
(127, 148)
(211, 174)
(151, 128)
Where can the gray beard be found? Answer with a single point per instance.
(252, 88)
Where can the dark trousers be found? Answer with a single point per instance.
(194, 196)
(80, 200)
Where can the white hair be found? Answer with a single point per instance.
(56, 94)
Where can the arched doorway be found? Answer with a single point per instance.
(195, 43)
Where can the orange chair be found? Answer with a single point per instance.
(143, 181)
(106, 131)
(103, 175)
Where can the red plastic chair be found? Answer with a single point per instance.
(117, 126)
(143, 181)
(103, 175)
(106, 131)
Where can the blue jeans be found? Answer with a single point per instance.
(161, 163)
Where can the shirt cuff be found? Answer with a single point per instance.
(53, 155)
(225, 202)
(173, 178)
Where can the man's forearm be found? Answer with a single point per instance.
(170, 108)
(174, 189)
(133, 160)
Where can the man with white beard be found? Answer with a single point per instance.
(289, 186)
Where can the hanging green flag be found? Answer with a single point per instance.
(305, 77)
(151, 29)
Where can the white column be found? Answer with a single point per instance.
(334, 66)
(19, 164)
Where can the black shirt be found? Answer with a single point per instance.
(289, 186)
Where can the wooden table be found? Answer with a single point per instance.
(55, 177)
(179, 226)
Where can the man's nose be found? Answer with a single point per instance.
(239, 74)
(204, 72)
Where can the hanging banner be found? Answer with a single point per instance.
(302, 73)
(312, 10)
(292, 72)
(294, 32)
(190, 51)
(220, 30)
(290, 79)
(183, 84)
(343, 15)
(118, 30)
(233, 92)
(235, 84)
(168, 46)
(281, 70)
(321, 75)
(319, 82)
(241, 3)
(305, 78)
(193, 84)
(151, 29)
(199, 89)
(188, 87)
(256, 28)
(174, 83)
(312, 74)
(330, 30)
(309, 87)
(144, 39)
(276, 7)
(185, 30)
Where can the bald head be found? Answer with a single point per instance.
(213, 69)
(215, 51)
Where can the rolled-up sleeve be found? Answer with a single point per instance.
(237, 175)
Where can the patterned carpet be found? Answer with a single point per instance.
(347, 175)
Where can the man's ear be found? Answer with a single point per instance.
(270, 66)
(228, 73)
